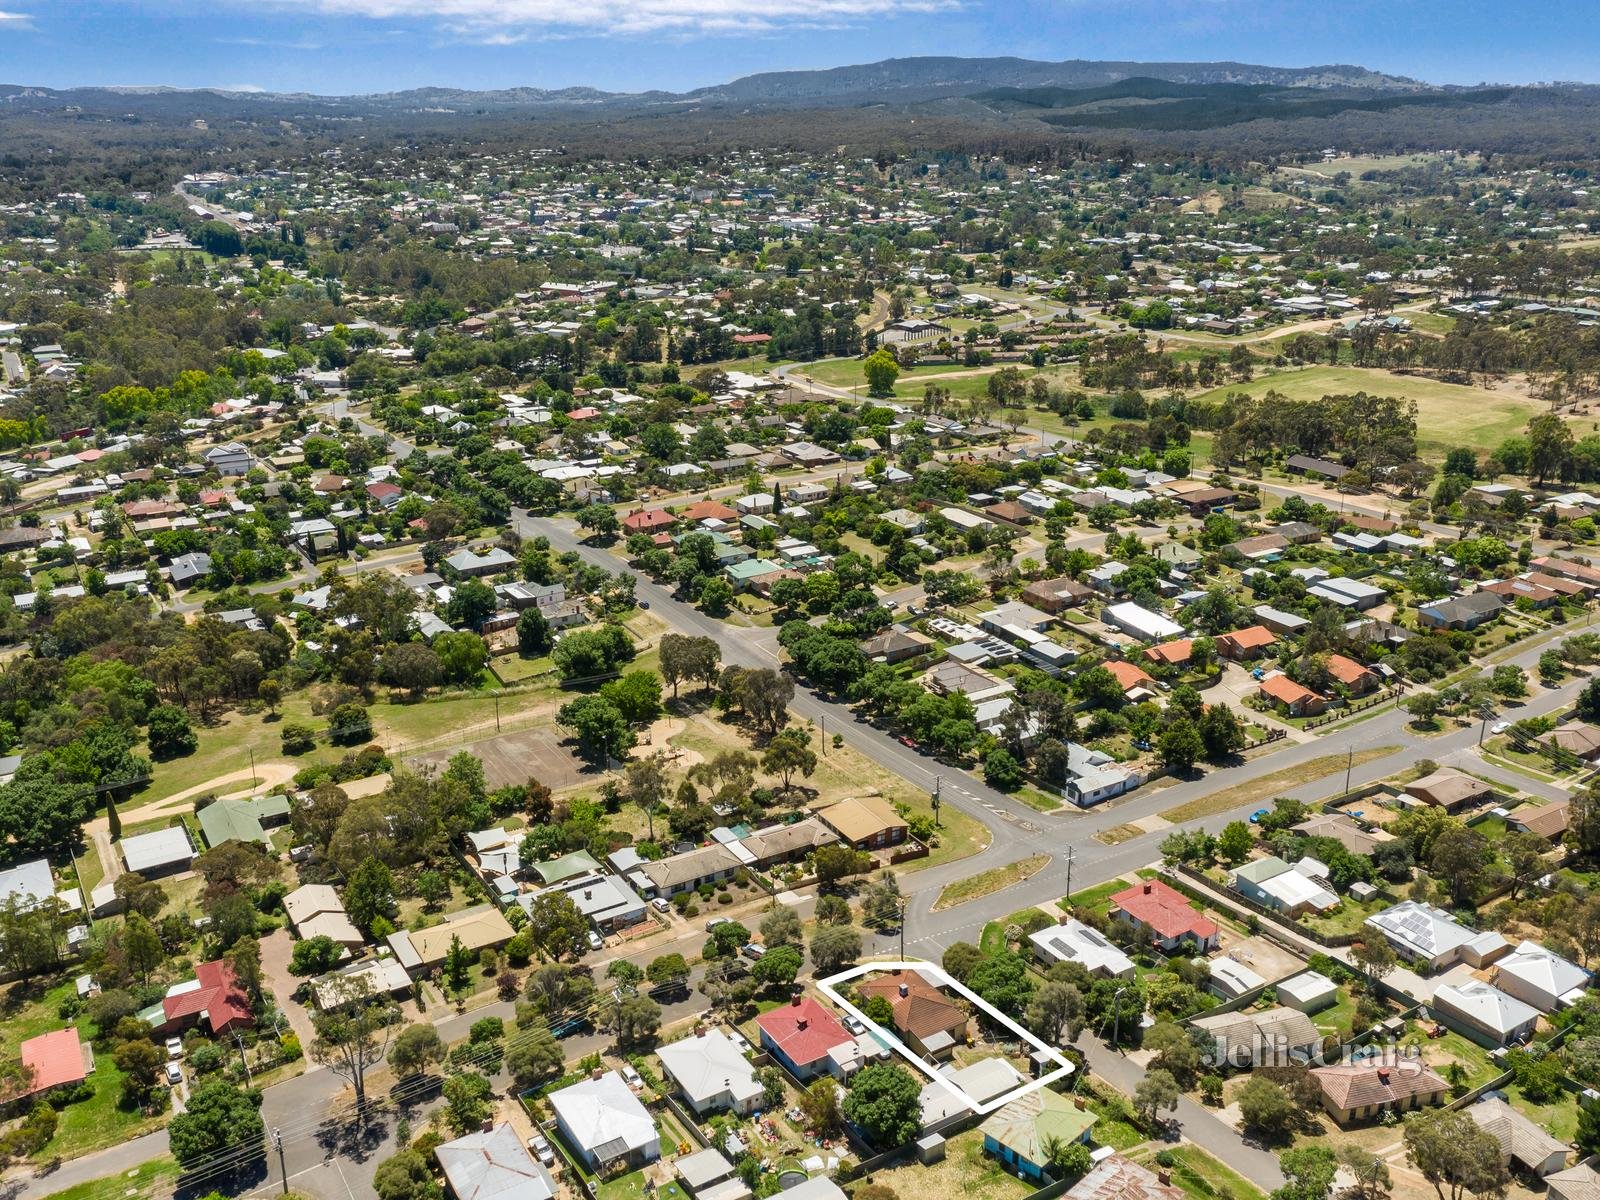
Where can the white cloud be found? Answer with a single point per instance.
(16, 20)
(505, 22)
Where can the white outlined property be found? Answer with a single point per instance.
(938, 976)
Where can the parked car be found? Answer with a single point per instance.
(738, 1039)
(174, 1048)
(714, 922)
(1500, 727)
(752, 950)
(644, 604)
(174, 1074)
(854, 1026)
(541, 1149)
(594, 941)
(630, 1076)
(907, 740)
(1255, 817)
(662, 904)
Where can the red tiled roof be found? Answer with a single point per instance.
(705, 509)
(1175, 652)
(583, 414)
(1252, 637)
(1129, 676)
(219, 997)
(56, 1059)
(1281, 687)
(648, 518)
(382, 488)
(1346, 670)
(1164, 910)
(804, 1030)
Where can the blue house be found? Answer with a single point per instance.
(1018, 1133)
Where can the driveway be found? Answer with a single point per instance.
(276, 949)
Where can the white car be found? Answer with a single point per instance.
(1500, 727)
(174, 1049)
(662, 904)
(714, 922)
(631, 1077)
(541, 1150)
(174, 1074)
(594, 941)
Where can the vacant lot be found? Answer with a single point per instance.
(1448, 414)
(515, 758)
(1275, 784)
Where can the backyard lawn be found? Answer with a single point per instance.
(632, 1187)
(1560, 1116)
(966, 1172)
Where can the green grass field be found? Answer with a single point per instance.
(1448, 414)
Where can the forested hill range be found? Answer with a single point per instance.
(895, 80)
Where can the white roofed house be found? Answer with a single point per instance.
(712, 1073)
(604, 1124)
(1484, 1009)
(1287, 889)
(1141, 622)
(494, 1165)
(1073, 941)
(1540, 977)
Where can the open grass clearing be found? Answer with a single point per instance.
(987, 883)
(1096, 899)
(147, 1179)
(1448, 414)
(1274, 784)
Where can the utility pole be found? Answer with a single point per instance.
(283, 1169)
(1349, 761)
(1072, 853)
(497, 712)
(938, 782)
(904, 904)
(1116, 1016)
(252, 750)
(823, 726)
(1485, 712)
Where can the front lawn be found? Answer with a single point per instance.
(1096, 899)
(1200, 1176)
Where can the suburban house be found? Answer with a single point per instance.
(1549, 821)
(1577, 739)
(213, 1000)
(930, 1022)
(1277, 688)
(230, 458)
(1448, 790)
(1356, 1091)
(1165, 916)
(712, 1074)
(808, 1040)
(1251, 1039)
(1141, 623)
(1541, 977)
(479, 928)
(315, 910)
(1581, 1182)
(1497, 1018)
(1522, 1142)
(1018, 1133)
(603, 1123)
(59, 1058)
(1341, 829)
(708, 1175)
(896, 645)
(1073, 941)
(1244, 644)
(242, 820)
(865, 822)
(1055, 595)
(493, 1165)
(1422, 933)
(1353, 676)
(1462, 612)
(687, 871)
(159, 852)
(1292, 889)
(1117, 1178)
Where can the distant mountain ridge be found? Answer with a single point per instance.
(894, 80)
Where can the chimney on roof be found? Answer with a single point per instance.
(597, 1073)
(1147, 888)
(1164, 1176)
(795, 1000)
(905, 989)
(801, 1023)
(1383, 1075)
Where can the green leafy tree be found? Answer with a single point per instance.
(170, 734)
(218, 1118)
(881, 371)
(369, 894)
(885, 1103)
(415, 1049)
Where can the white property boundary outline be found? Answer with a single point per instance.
(1063, 1069)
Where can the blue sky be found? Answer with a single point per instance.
(347, 46)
